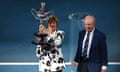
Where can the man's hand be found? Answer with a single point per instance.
(73, 64)
(103, 70)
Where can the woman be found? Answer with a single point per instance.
(51, 60)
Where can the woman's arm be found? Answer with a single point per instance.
(59, 38)
(39, 51)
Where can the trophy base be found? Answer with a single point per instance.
(39, 43)
(40, 39)
(38, 34)
(44, 46)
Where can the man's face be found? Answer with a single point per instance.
(89, 23)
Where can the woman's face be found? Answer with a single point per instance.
(52, 25)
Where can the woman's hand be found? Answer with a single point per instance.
(42, 29)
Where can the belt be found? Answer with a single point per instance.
(84, 59)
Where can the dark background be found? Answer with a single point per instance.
(17, 26)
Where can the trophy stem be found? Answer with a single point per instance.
(41, 21)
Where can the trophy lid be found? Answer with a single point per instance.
(42, 5)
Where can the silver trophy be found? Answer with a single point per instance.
(41, 14)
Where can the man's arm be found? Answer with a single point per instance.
(77, 56)
(78, 52)
(103, 49)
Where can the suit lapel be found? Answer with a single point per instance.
(94, 39)
(82, 37)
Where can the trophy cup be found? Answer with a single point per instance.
(41, 14)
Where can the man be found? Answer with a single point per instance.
(91, 54)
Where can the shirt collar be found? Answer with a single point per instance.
(91, 31)
(53, 33)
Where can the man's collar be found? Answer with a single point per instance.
(91, 31)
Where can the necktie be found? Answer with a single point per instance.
(86, 46)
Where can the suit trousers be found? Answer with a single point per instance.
(83, 66)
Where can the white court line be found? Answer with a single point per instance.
(37, 63)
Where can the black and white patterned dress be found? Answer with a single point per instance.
(52, 60)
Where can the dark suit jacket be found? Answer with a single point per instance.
(98, 51)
